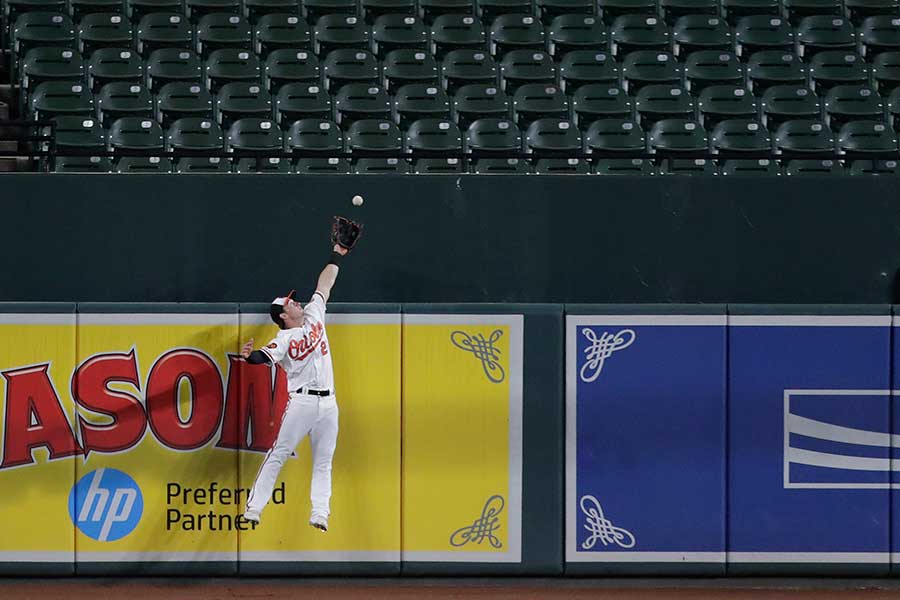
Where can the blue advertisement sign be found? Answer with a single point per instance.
(809, 439)
(645, 438)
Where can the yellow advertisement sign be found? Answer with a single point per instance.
(39, 446)
(462, 438)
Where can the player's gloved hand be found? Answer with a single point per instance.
(345, 233)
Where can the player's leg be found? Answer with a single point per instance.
(323, 439)
(299, 416)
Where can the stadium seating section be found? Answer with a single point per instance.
(692, 87)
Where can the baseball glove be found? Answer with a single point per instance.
(345, 232)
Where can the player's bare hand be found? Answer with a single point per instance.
(340, 250)
(247, 349)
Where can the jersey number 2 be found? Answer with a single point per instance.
(324, 349)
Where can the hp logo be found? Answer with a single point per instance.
(106, 505)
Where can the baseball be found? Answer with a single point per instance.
(357, 200)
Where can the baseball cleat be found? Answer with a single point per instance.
(252, 515)
(320, 523)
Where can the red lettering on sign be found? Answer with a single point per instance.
(252, 411)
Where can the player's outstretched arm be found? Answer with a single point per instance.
(329, 274)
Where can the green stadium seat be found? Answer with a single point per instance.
(666, 101)
(613, 9)
(537, 100)
(136, 10)
(254, 135)
(238, 99)
(78, 133)
(427, 136)
(395, 32)
(500, 166)
(349, 66)
(586, 67)
(687, 166)
(380, 166)
(735, 10)
(813, 167)
(144, 164)
(50, 64)
(803, 136)
(402, 67)
(254, 10)
(548, 10)
(600, 101)
(194, 135)
(280, 31)
(561, 166)
(302, 101)
(61, 98)
(11, 9)
(798, 9)
(181, 99)
(465, 67)
(638, 32)
(845, 103)
(758, 33)
(357, 101)
(195, 10)
(456, 32)
(576, 32)
(886, 72)
(519, 67)
(114, 65)
(694, 33)
(339, 32)
(825, 32)
(623, 166)
(879, 34)
(867, 137)
(782, 103)
(313, 10)
(615, 137)
(285, 66)
(37, 29)
(429, 10)
(831, 68)
(489, 10)
(516, 32)
(81, 164)
(857, 10)
(720, 102)
(712, 67)
(322, 166)
(198, 164)
(753, 167)
(649, 67)
(774, 67)
(553, 136)
(676, 136)
(262, 165)
(673, 10)
(123, 99)
(78, 9)
(893, 111)
(171, 65)
(874, 167)
(477, 101)
(372, 10)
(103, 30)
(493, 135)
(218, 31)
(374, 135)
(163, 30)
(438, 166)
(135, 134)
(230, 64)
(419, 101)
(315, 135)
(734, 137)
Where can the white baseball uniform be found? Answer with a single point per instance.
(303, 352)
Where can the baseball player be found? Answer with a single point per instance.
(301, 349)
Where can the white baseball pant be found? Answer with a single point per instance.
(304, 414)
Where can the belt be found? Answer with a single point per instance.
(313, 392)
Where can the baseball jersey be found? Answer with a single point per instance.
(303, 352)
